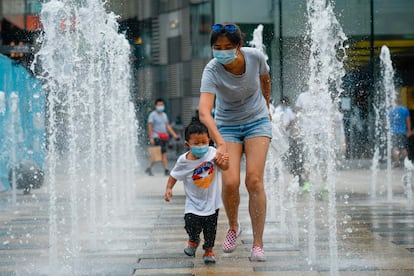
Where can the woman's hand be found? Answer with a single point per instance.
(223, 162)
(221, 152)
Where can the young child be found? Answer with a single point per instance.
(199, 169)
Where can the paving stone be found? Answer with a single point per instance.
(391, 229)
(160, 272)
(162, 264)
(404, 242)
(151, 238)
(397, 234)
(311, 268)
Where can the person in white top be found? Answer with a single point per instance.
(199, 169)
(159, 129)
(316, 116)
(288, 116)
(295, 150)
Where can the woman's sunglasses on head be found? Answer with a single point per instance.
(230, 28)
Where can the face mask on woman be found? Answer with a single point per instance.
(225, 56)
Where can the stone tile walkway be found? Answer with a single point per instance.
(374, 235)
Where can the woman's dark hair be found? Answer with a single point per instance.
(235, 38)
(195, 127)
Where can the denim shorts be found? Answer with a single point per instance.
(239, 133)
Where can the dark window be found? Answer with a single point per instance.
(174, 49)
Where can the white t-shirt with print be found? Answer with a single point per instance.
(202, 183)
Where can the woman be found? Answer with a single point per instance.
(236, 82)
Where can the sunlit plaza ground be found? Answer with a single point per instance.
(374, 235)
(89, 218)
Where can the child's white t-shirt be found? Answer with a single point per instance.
(202, 183)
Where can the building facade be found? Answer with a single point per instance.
(171, 43)
(170, 46)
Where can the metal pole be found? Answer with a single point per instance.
(371, 45)
(213, 19)
(280, 48)
(25, 15)
(371, 87)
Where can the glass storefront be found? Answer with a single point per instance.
(170, 46)
(368, 25)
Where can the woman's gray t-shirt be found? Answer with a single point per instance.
(239, 98)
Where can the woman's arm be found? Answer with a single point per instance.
(204, 111)
(266, 87)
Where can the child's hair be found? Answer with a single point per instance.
(195, 127)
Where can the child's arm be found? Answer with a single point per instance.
(170, 185)
(222, 163)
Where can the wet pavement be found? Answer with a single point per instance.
(374, 235)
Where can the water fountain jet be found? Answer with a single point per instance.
(91, 127)
(326, 55)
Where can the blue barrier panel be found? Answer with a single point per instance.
(22, 119)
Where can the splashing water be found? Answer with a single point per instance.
(257, 41)
(408, 182)
(386, 97)
(274, 165)
(384, 100)
(91, 127)
(326, 71)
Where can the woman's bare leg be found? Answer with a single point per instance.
(256, 153)
(231, 184)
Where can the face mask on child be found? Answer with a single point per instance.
(199, 151)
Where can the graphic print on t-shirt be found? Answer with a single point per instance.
(203, 175)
